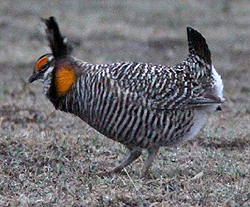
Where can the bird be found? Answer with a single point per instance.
(143, 106)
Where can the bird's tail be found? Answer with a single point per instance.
(198, 45)
(57, 42)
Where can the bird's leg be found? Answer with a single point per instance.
(132, 156)
(152, 152)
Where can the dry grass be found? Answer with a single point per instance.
(49, 158)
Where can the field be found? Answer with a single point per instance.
(49, 158)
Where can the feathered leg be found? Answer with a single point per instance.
(132, 156)
(152, 152)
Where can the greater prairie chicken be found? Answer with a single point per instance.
(141, 105)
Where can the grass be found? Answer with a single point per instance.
(49, 158)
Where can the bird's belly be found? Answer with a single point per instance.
(144, 128)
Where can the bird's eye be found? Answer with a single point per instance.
(42, 63)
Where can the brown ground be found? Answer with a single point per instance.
(49, 158)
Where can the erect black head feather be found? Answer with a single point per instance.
(57, 42)
(198, 46)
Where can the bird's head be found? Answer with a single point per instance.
(59, 50)
(43, 67)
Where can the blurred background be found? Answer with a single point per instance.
(110, 31)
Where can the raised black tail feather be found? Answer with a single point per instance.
(198, 46)
(57, 42)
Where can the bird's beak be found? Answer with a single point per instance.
(34, 77)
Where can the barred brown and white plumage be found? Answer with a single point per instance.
(143, 106)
